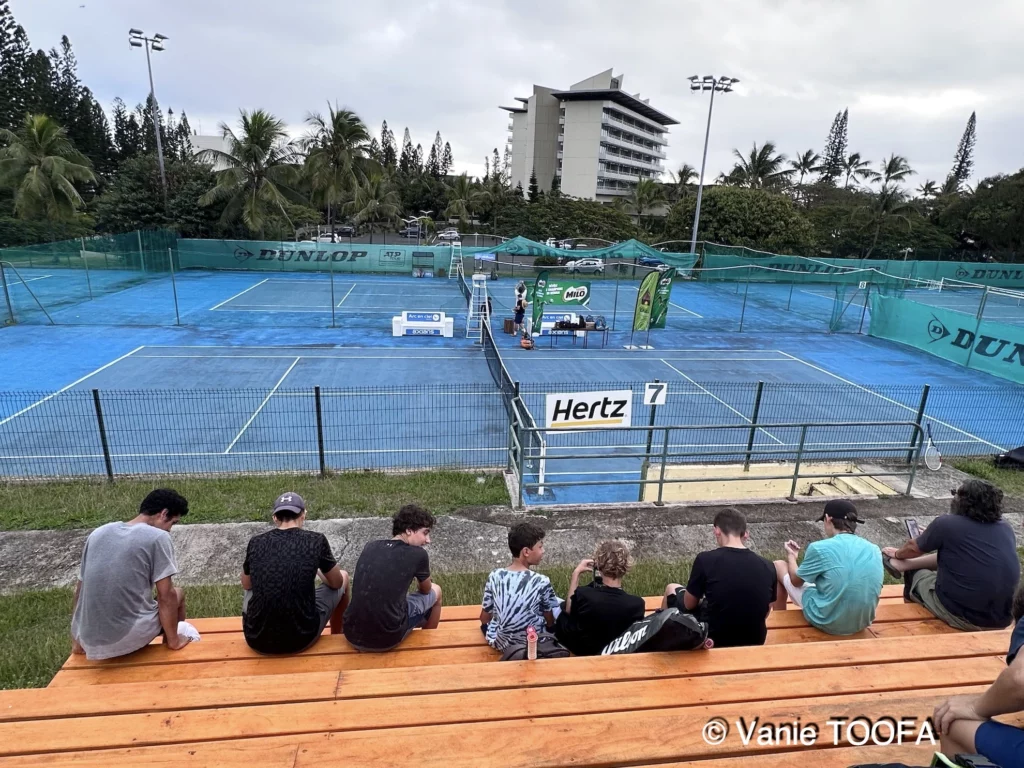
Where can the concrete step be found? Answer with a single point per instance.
(824, 489)
(854, 486)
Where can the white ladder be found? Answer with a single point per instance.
(478, 311)
(455, 265)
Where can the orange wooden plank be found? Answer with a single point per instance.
(659, 735)
(838, 757)
(186, 726)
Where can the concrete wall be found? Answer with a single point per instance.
(580, 148)
(518, 172)
(600, 80)
(544, 113)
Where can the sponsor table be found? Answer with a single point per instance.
(423, 324)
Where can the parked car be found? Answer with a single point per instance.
(593, 266)
(345, 230)
(449, 235)
(410, 231)
(651, 262)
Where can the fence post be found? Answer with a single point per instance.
(753, 425)
(142, 253)
(7, 294)
(103, 434)
(796, 466)
(615, 306)
(920, 417)
(746, 287)
(650, 432)
(789, 301)
(174, 287)
(664, 461)
(85, 264)
(332, 288)
(977, 326)
(319, 431)
(864, 310)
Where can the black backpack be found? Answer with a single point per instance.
(1011, 459)
(547, 648)
(667, 630)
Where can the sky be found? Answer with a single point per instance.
(910, 71)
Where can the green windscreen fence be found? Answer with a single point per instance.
(40, 280)
(277, 256)
(983, 345)
(802, 269)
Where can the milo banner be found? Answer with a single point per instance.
(566, 292)
(662, 296)
(539, 292)
(645, 302)
(996, 348)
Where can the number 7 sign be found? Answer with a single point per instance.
(655, 393)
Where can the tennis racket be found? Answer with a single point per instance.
(932, 457)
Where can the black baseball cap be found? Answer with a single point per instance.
(290, 502)
(840, 509)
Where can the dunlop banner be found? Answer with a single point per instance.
(995, 348)
(308, 257)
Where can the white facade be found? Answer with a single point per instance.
(598, 139)
(200, 143)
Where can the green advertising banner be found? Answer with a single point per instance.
(566, 292)
(662, 295)
(539, 290)
(996, 348)
(309, 257)
(645, 302)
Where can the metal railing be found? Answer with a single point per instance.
(530, 445)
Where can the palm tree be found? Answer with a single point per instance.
(261, 171)
(856, 168)
(893, 170)
(337, 149)
(375, 200)
(928, 190)
(41, 165)
(808, 162)
(492, 193)
(761, 169)
(646, 194)
(890, 203)
(682, 183)
(464, 197)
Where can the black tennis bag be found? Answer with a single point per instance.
(1011, 459)
(547, 648)
(667, 630)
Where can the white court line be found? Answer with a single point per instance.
(69, 386)
(315, 357)
(677, 306)
(346, 295)
(894, 402)
(31, 279)
(261, 282)
(265, 401)
(773, 437)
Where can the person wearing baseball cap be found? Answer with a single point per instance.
(283, 610)
(838, 584)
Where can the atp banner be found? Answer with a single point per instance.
(996, 348)
(645, 302)
(539, 291)
(566, 292)
(662, 296)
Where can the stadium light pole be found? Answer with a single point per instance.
(136, 39)
(697, 85)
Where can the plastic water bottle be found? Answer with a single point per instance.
(531, 643)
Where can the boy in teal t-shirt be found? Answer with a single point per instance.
(840, 580)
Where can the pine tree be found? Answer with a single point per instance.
(519, 189)
(487, 169)
(374, 150)
(834, 154)
(963, 161)
(434, 162)
(37, 84)
(534, 195)
(67, 88)
(127, 133)
(417, 166)
(388, 152)
(13, 55)
(447, 163)
(408, 158)
(506, 165)
(556, 186)
(496, 167)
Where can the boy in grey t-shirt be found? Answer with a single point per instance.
(114, 611)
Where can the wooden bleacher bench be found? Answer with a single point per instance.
(217, 703)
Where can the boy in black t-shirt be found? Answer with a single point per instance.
(597, 613)
(283, 610)
(731, 588)
(383, 611)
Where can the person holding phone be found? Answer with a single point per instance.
(598, 612)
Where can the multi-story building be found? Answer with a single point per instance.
(595, 137)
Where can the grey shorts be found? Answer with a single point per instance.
(327, 600)
(418, 607)
(920, 588)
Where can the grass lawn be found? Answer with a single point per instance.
(89, 503)
(34, 626)
(1010, 480)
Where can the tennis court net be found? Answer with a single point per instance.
(509, 389)
(464, 286)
